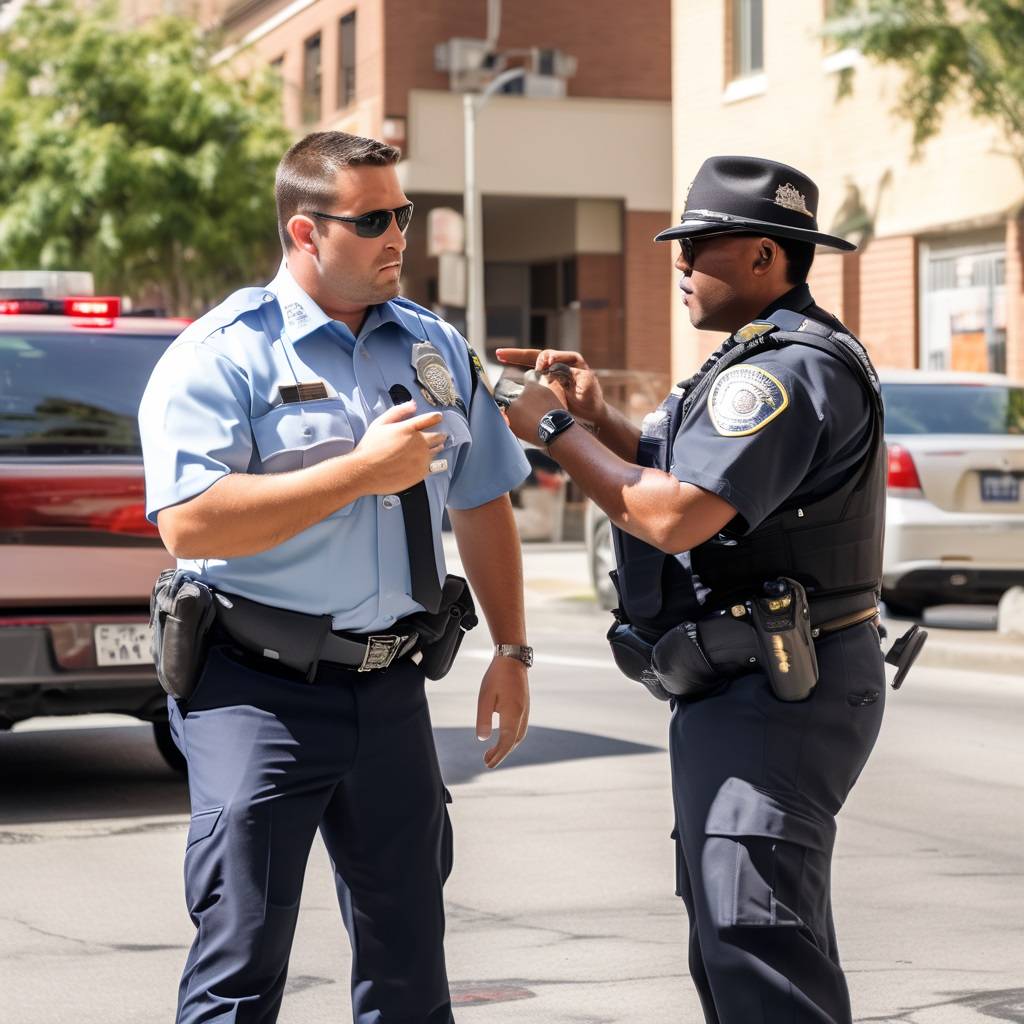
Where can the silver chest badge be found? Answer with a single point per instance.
(433, 375)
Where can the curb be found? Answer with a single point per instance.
(1001, 656)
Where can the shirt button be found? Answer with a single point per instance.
(388, 619)
(307, 432)
(391, 501)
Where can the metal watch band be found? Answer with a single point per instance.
(517, 651)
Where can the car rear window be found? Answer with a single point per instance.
(953, 409)
(73, 394)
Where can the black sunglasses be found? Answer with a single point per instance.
(374, 223)
(689, 248)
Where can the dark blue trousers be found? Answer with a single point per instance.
(757, 783)
(271, 759)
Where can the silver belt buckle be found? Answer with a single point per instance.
(380, 651)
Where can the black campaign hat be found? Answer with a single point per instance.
(746, 193)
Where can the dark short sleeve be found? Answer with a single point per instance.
(785, 423)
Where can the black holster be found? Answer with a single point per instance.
(181, 613)
(441, 632)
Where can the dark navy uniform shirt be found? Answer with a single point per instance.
(803, 444)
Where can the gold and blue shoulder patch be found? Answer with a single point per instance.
(754, 330)
(744, 399)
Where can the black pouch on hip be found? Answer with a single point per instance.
(181, 612)
(682, 665)
(632, 654)
(441, 633)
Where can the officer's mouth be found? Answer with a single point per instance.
(686, 289)
(390, 266)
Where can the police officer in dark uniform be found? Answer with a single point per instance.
(747, 517)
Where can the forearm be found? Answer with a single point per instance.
(618, 434)
(647, 503)
(491, 555)
(246, 513)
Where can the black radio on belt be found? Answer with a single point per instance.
(782, 621)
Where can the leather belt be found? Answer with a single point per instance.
(845, 621)
(301, 641)
(367, 653)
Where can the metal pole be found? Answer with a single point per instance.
(476, 328)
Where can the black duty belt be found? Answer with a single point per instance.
(300, 641)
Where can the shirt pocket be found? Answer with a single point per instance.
(301, 434)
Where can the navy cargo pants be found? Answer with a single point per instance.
(757, 783)
(271, 759)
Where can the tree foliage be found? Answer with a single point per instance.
(950, 50)
(129, 153)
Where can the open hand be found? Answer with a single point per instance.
(578, 385)
(506, 690)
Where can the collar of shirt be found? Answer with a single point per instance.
(302, 316)
(797, 299)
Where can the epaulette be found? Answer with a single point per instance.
(236, 305)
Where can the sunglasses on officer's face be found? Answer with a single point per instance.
(374, 223)
(688, 244)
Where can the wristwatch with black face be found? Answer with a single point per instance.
(553, 423)
(517, 651)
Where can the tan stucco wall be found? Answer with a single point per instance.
(960, 179)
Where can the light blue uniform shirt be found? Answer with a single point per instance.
(212, 407)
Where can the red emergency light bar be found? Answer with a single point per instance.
(14, 307)
(106, 306)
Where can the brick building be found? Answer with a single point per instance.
(939, 283)
(574, 186)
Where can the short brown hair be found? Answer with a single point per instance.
(307, 173)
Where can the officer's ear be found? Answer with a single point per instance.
(766, 255)
(302, 232)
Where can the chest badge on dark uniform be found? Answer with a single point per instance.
(433, 375)
(755, 329)
(744, 399)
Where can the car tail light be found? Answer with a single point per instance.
(902, 471)
(103, 504)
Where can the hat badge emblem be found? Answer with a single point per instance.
(790, 198)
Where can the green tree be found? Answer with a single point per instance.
(128, 152)
(950, 50)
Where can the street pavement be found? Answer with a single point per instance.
(561, 908)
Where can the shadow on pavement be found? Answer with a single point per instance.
(461, 753)
(79, 774)
(84, 774)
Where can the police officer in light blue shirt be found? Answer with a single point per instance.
(295, 438)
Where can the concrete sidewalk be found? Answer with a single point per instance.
(558, 574)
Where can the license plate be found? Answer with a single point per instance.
(1000, 487)
(122, 644)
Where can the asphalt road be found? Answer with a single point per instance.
(560, 907)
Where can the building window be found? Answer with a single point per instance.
(311, 81)
(747, 57)
(963, 307)
(347, 59)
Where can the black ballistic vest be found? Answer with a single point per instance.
(832, 545)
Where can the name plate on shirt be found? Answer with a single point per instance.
(291, 393)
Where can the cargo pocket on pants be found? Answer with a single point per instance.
(680, 863)
(447, 840)
(766, 861)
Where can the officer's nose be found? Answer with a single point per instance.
(393, 237)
